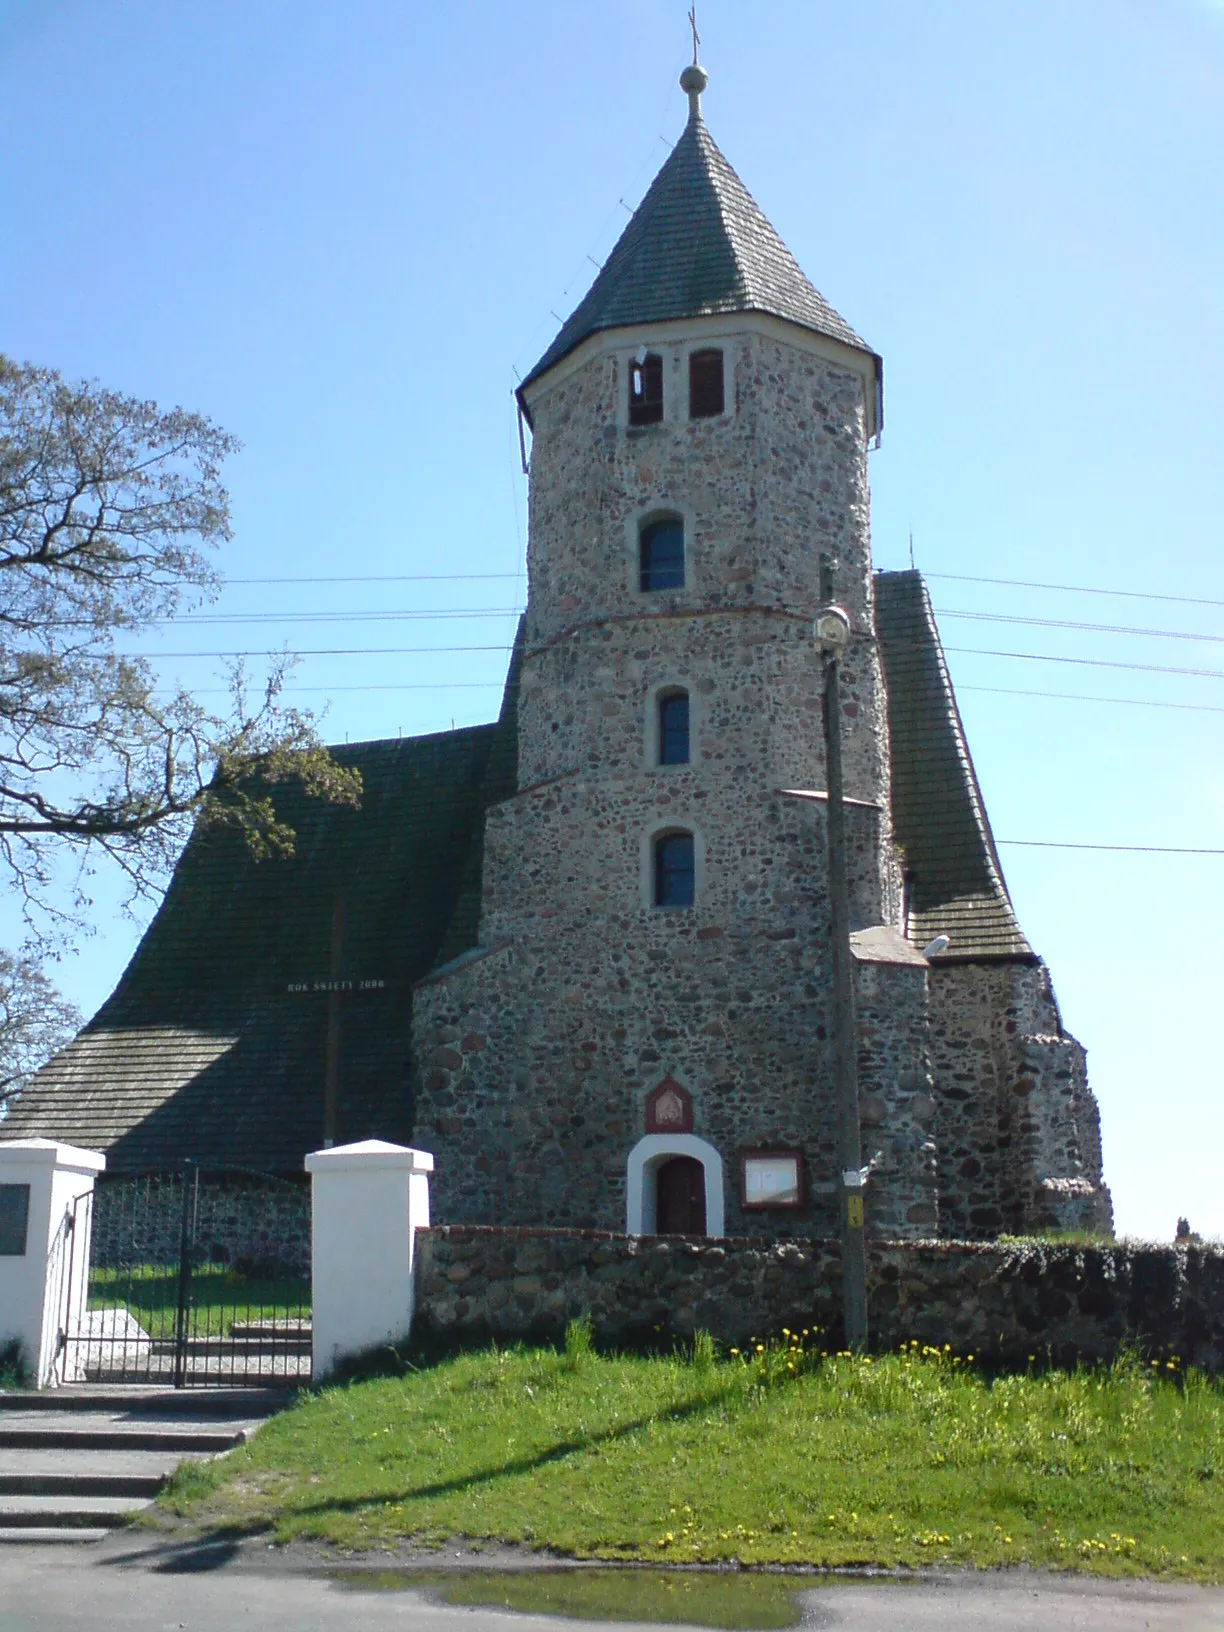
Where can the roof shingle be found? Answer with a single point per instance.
(698, 245)
(939, 819)
(204, 1049)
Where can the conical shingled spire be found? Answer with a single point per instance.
(697, 245)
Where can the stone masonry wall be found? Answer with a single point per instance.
(1002, 1302)
(1016, 1127)
(896, 1107)
(533, 1063)
(535, 1055)
(248, 1222)
(540, 1060)
(763, 488)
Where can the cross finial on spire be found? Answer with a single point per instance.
(694, 79)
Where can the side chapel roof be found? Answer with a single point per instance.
(698, 245)
(939, 819)
(204, 1050)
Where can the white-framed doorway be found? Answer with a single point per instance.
(645, 1159)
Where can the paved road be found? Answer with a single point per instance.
(152, 1586)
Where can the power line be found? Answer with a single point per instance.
(1066, 623)
(388, 578)
(1085, 697)
(405, 615)
(330, 651)
(1072, 589)
(942, 577)
(1128, 849)
(1088, 662)
(497, 685)
(405, 651)
(439, 614)
(424, 685)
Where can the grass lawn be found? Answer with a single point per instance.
(783, 1457)
(219, 1297)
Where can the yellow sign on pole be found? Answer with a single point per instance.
(854, 1212)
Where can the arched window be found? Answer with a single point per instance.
(646, 390)
(674, 728)
(673, 870)
(661, 553)
(705, 384)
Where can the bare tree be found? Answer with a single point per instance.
(109, 509)
(35, 1021)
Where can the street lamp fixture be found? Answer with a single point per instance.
(832, 629)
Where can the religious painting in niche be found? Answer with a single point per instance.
(669, 1108)
(14, 1219)
(773, 1178)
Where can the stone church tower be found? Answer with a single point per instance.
(585, 951)
(642, 1038)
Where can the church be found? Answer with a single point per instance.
(583, 954)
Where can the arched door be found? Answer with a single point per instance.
(680, 1197)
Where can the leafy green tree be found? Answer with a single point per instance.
(110, 509)
(35, 1021)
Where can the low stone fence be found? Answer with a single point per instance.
(1002, 1301)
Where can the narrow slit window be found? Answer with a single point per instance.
(674, 870)
(646, 390)
(706, 399)
(661, 554)
(674, 728)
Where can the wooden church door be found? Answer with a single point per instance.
(680, 1197)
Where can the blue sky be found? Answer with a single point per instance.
(339, 231)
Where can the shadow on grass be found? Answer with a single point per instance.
(561, 1451)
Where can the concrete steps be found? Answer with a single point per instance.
(48, 1535)
(145, 1485)
(77, 1462)
(154, 1400)
(82, 1435)
(71, 1513)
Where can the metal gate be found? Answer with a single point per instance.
(168, 1303)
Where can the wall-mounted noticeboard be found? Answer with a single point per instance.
(773, 1178)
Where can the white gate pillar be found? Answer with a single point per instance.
(45, 1188)
(367, 1202)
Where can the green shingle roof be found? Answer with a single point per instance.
(203, 1050)
(956, 884)
(697, 245)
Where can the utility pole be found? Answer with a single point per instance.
(832, 636)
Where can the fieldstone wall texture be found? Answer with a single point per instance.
(1017, 1129)
(535, 1061)
(535, 1054)
(248, 1221)
(1004, 1302)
